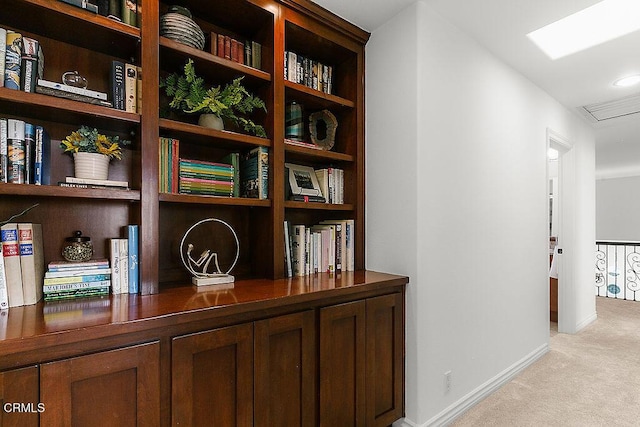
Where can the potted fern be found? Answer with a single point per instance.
(189, 94)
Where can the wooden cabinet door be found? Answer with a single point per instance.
(385, 359)
(112, 388)
(285, 370)
(19, 397)
(342, 365)
(212, 378)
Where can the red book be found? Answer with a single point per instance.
(220, 50)
(227, 47)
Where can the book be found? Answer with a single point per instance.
(256, 55)
(13, 55)
(287, 249)
(31, 261)
(31, 64)
(72, 89)
(103, 7)
(129, 12)
(298, 250)
(29, 153)
(105, 182)
(12, 269)
(117, 84)
(254, 173)
(84, 272)
(90, 186)
(92, 284)
(115, 10)
(83, 4)
(15, 151)
(233, 159)
(4, 296)
(114, 257)
(4, 153)
(75, 265)
(76, 293)
(130, 84)
(87, 278)
(124, 266)
(131, 234)
(139, 90)
(42, 161)
(340, 243)
(72, 96)
(3, 53)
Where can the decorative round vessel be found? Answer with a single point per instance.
(91, 165)
(77, 248)
(211, 121)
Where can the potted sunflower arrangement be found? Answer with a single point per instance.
(92, 151)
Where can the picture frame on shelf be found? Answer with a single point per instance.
(303, 180)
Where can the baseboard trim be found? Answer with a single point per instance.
(586, 322)
(449, 414)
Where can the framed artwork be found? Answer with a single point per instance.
(303, 180)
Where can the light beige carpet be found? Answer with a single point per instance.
(588, 379)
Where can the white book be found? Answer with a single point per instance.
(287, 250)
(72, 89)
(106, 182)
(4, 297)
(114, 258)
(12, 269)
(31, 261)
(298, 250)
(3, 51)
(124, 266)
(76, 273)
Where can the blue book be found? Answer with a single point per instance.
(29, 153)
(134, 271)
(42, 163)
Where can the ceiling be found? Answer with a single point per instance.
(501, 26)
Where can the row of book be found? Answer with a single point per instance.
(21, 264)
(21, 61)
(123, 253)
(308, 72)
(327, 247)
(25, 153)
(331, 181)
(248, 52)
(235, 175)
(120, 10)
(69, 280)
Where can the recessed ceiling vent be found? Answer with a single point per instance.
(612, 109)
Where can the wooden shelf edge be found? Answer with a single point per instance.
(56, 191)
(322, 154)
(75, 107)
(213, 200)
(205, 56)
(318, 206)
(189, 128)
(343, 102)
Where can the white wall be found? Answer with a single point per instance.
(457, 200)
(618, 208)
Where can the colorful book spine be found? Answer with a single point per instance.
(42, 164)
(76, 279)
(91, 284)
(78, 273)
(70, 265)
(12, 60)
(134, 271)
(31, 261)
(29, 153)
(117, 85)
(13, 271)
(76, 293)
(16, 151)
(130, 87)
(31, 52)
(3, 53)
(4, 151)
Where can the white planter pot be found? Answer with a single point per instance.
(211, 121)
(91, 165)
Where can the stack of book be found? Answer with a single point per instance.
(62, 90)
(205, 178)
(25, 153)
(66, 280)
(74, 182)
(331, 181)
(327, 247)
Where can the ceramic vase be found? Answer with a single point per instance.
(91, 165)
(211, 121)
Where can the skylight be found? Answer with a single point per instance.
(604, 21)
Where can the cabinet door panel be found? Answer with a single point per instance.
(118, 387)
(285, 384)
(342, 365)
(19, 386)
(385, 364)
(212, 378)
